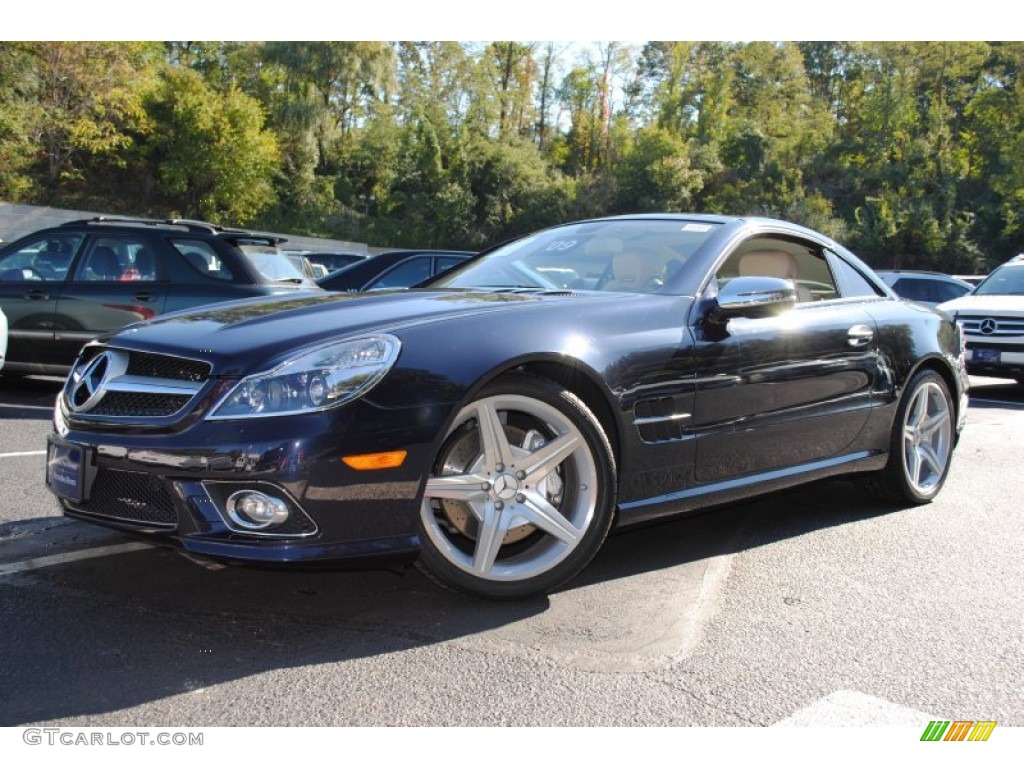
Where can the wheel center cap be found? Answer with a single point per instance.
(505, 487)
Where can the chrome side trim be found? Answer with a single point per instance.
(659, 419)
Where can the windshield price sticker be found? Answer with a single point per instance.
(561, 245)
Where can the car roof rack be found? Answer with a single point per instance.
(191, 225)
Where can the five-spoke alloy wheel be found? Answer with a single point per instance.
(922, 442)
(521, 494)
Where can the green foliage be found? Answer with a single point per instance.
(657, 174)
(211, 154)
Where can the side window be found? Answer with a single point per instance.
(116, 260)
(409, 272)
(947, 292)
(852, 283)
(447, 262)
(802, 265)
(201, 257)
(45, 260)
(915, 290)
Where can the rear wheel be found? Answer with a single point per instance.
(521, 494)
(921, 446)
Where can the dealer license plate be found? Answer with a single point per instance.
(985, 355)
(65, 469)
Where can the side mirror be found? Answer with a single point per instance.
(752, 297)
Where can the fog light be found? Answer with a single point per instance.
(255, 510)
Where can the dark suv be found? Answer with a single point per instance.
(63, 286)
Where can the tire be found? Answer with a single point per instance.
(921, 446)
(521, 494)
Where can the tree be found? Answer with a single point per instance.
(79, 103)
(17, 107)
(329, 85)
(212, 156)
(656, 175)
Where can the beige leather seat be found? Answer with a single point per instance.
(773, 264)
(636, 271)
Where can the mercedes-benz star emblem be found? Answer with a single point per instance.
(988, 326)
(505, 487)
(88, 389)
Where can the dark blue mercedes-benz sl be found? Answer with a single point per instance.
(495, 425)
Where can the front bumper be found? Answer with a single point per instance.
(991, 359)
(174, 487)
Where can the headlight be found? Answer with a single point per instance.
(315, 380)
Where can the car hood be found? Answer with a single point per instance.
(1002, 304)
(243, 336)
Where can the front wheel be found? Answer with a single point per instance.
(521, 494)
(921, 446)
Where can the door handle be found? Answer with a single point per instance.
(37, 295)
(144, 296)
(859, 335)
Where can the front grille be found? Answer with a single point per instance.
(134, 497)
(164, 367)
(125, 384)
(997, 327)
(139, 404)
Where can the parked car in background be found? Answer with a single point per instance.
(3, 337)
(973, 280)
(992, 317)
(304, 265)
(332, 262)
(322, 264)
(392, 269)
(496, 424)
(66, 285)
(930, 288)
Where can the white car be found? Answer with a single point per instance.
(992, 318)
(3, 337)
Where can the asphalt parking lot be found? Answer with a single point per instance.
(808, 607)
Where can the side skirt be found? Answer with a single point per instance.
(728, 491)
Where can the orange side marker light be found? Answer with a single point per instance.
(386, 460)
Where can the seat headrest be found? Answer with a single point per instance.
(768, 264)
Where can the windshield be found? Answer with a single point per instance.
(273, 264)
(638, 256)
(1003, 280)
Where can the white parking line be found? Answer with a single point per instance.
(27, 407)
(22, 453)
(69, 557)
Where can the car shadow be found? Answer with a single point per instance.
(28, 398)
(97, 636)
(996, 393)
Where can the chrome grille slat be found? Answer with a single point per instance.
(1005, 326)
